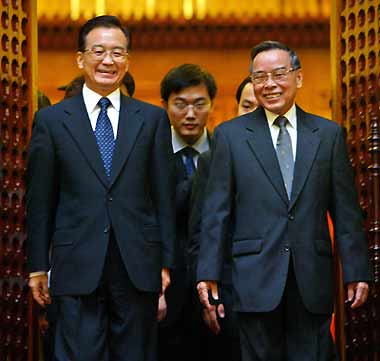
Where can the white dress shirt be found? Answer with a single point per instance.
(202, 144)
(291, 127)
(91, 100)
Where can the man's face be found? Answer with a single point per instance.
(104, 75)
(188, 111)
(276, 96)
(248, 102)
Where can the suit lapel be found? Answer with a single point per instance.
(260, 141)
(130, 123)
(78, 125)
(308, 142)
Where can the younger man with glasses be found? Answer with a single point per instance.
(187, 93)
(100, 196)
(275, 174)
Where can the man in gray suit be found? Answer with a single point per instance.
(275, 174)
(100, 195)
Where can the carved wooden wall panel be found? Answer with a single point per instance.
(224, 33)
(15, 117)
(356, 76)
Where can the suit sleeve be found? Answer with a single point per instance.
(347, 217)
(41, 195)
(163, 178)
(217, 211)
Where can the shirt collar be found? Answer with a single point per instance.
(92, 98)
(200, 146)
(291, 115)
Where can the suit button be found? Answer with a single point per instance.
(286, 249)
(291, 217)
(106, 230)
(110, 199)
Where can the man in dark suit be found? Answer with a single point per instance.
(100, 195)
(187, 93)
(225, 344)
(282, 267)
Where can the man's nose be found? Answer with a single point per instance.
(108, 59)
(190, 111)
(269, 81)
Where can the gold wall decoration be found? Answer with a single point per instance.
(185, 9)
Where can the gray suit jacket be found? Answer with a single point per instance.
(246, 187)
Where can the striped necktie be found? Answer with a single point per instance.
(284, 152)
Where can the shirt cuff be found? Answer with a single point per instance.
(35, 274)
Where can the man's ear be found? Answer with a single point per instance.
(211, 105)
(299, 78)
(80, 60)
(164, 104)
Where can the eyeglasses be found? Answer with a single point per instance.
(277, 76)
(197, 107)
(99, 53)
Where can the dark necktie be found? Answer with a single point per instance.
(188, 154)
(285, 153)
(104, 135)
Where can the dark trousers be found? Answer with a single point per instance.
(117, 322)
(288, 333)
(181, 333)
(226, 345)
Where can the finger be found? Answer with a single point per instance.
(37, 297)
(214, 291)
(350, 292)
(360, 296)
(45, 293)
(203, 294)
(220, 311)
(215, 327)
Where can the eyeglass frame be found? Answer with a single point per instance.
(183, 107)
(106, 52)
(285, 75)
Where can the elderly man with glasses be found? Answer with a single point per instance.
(100, 208)
(275, 174)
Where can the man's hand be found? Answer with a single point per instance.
(211, 319)
(210, 311)
(357, 293)
(40, 290)
(203, 288)
(162, 308)
(165, 280)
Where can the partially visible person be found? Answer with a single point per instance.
(187, 93)
(275, 174)
(42, 100)
(74, 87)
(245, 97)
(225, 328)
(100, 197)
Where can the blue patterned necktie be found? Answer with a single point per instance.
(104, 135)
(188, 154)
(284, 152)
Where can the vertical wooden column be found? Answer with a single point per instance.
(17, 31)
(355, 40)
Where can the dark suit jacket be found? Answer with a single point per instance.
(72, 206)
(177, 296)
(246, 186)
(195, 220)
